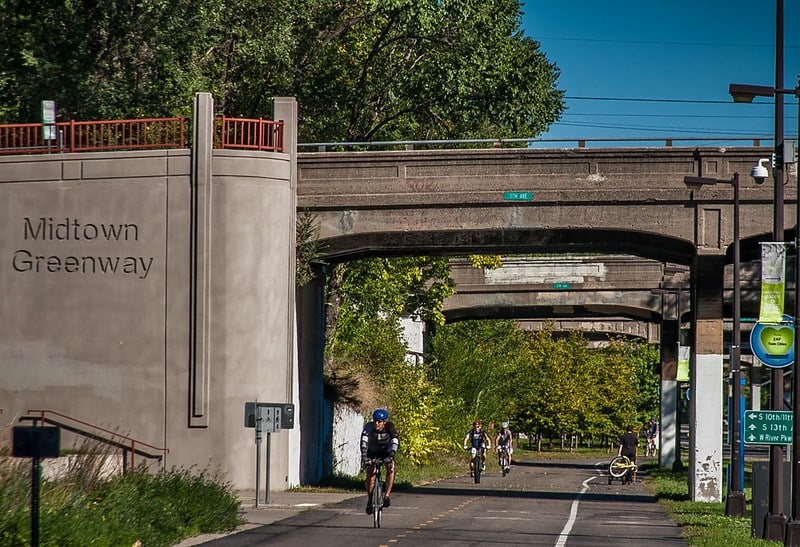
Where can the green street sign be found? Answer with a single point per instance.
(768, 426)
(562, 285)
(518, 196)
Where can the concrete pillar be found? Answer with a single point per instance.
(200, 280)
(311, 349)
(669, 392)
(285, 109)
(705, 403)
(756, 377)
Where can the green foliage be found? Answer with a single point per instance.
(474, 362)
(309, 249)
(158, 509)
(414, 401)
(489, 262)
(361, 70)
(545, 385)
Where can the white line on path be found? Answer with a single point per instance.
(573, 513)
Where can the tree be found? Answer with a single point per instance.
(361, 70)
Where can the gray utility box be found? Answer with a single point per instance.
(761, 494)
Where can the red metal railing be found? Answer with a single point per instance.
(75, 136)
(149, 133)
(113, 438)
(249, 134)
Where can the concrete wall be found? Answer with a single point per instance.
(152, 293)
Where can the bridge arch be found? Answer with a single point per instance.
(508, 241)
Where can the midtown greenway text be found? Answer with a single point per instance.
(72, 230)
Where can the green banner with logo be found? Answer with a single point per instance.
(773, 281)
(684, 354)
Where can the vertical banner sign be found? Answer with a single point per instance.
(773, 282)
(49, 120)
(684, 355)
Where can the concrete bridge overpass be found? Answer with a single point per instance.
(564, 201)
(630, 201)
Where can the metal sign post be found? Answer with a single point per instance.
(269, 418)
(35, 442)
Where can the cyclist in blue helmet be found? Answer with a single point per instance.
(379, 440)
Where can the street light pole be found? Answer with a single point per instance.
(735, 500)
(792, 537)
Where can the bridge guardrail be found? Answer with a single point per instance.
(527, 142)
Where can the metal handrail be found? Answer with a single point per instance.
(119, 440)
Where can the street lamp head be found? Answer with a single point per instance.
(745, 93)
(759, 172)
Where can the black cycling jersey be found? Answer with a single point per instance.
(380, 444)
(478, 439)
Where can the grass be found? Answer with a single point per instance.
(704, 524)
(81, 508)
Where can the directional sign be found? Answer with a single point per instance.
(518, 196)
(562, 285)
(768, 427)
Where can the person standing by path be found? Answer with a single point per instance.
(629, 446)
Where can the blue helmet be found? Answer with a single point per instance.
(380, 414)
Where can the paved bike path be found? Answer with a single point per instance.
(562, 503)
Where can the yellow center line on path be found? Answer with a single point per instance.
(421, 525)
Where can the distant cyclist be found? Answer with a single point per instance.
(478, 439)
(652, 436)
(503, 440)
(379, 440)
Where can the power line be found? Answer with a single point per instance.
(621, 115)
(643, 100)
(663, 43)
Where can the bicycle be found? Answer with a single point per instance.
(503, 460)
(476, 462)
(621, 468)
(651, 448)
(378, 489)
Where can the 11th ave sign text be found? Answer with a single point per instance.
(768, 427)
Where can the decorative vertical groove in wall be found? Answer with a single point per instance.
(199, 320)
(285, 108)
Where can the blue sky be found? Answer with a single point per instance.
(678, 50)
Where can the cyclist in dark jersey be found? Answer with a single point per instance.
(478, 439)
(379, 440)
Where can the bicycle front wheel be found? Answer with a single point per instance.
(619, 466)
(377, 502)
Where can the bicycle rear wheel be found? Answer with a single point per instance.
(619, 466)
